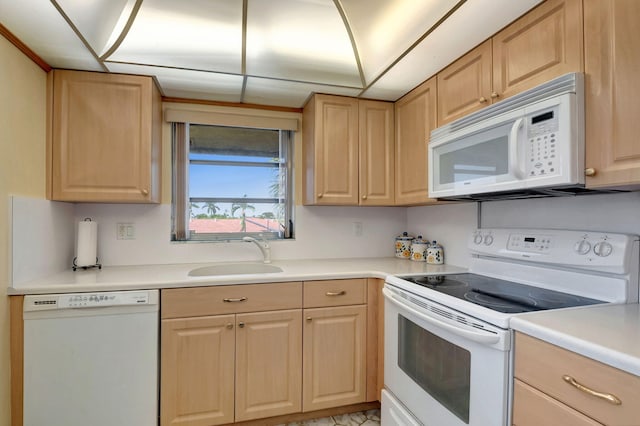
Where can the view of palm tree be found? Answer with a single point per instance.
(212, 208)
(192, 209)
(243, 207)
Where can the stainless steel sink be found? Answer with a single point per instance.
(234, 269)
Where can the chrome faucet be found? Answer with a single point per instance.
(262, 245)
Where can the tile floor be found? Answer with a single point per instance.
(363, 418)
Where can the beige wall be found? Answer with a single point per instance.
(22, 169)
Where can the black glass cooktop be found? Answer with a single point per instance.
(500, 295)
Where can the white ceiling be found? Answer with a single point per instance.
(269, 52)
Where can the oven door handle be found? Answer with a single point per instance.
(467, 334)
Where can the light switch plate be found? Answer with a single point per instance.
(125, 231)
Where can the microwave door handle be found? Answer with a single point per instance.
(514, 149)
(471, 335)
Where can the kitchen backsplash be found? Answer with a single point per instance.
(44, 231)
(451, 224)
(42, 238)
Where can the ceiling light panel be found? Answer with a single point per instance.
(39, 25)
(446, 44)
(285, 93)
(99, 21)
(302, 40)
(177, 83)
(384, 29)
(193, 34)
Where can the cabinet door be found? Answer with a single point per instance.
(577, 381)
(465, 85)
(330, 130)
(612, 61)
(415, 118)
(376, 147)
(197, 365)
(543, 44)
(268, 364)
(534, 408)
(105, 138)
(334, 369)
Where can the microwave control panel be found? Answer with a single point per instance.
(542, 148)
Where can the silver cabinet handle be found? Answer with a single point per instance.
(336, 293)
(229, 326)
(606, 396)
(241, 324)
(234, 299)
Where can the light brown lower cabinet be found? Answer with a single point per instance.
(246, 352)
(554, 386)
(268, 364)
(197, 371)
(534, 408)
(334, 370)
(202, 359)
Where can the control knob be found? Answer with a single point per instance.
(477, 238)
(582, 247)
(488, 240)
(603, 249)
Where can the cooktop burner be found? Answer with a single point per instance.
(500, 295)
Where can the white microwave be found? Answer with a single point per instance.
(529, 145)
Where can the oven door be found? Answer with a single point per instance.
(446, 368)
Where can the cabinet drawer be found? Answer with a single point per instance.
(334, 293)
(227, 299)
(543, 366)
(533, 408)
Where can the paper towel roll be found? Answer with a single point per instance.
(87, 247)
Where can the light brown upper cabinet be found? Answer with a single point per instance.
(465, 85)
(376, 125)
(104, 142)
(415, 118)
(347, 151)
(543, 44)
(612, 61)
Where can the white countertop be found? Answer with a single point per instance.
(172, 276)
(607, 333)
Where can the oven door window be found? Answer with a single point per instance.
(439, 367)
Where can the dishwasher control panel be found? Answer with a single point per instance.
(87, 300)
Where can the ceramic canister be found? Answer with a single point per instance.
(435, 254)
(403, 245)
(419, 249)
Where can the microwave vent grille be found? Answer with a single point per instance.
(568, 83)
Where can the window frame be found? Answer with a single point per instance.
(180, 186)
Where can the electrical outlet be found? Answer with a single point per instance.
(125, 231)
(357, 229)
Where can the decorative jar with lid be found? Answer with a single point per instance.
(403, 245)
(419, 249)
(435, 254)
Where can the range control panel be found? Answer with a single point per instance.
(608, 252)
(89, 300)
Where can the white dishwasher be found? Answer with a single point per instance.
(91, 359)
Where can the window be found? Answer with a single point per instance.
(230, 182)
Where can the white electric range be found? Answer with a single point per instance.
(448, 350)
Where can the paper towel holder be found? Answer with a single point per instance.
(85, 267)
(97, 265)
